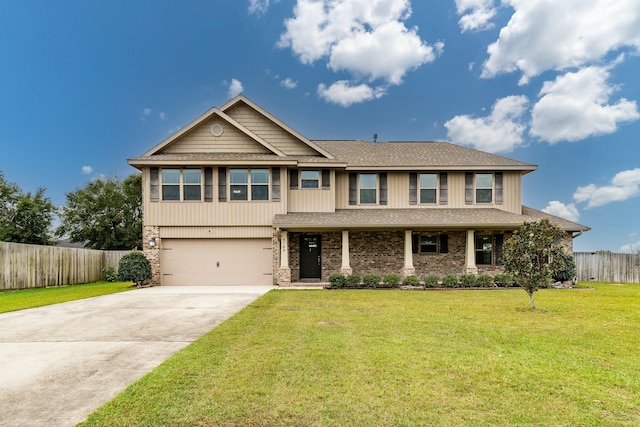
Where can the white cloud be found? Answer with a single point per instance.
(87, 170)
(258, 6)
(624, 185)
(556, 35)
(146, 111)
(365, 38)
(289, 83)
(162, 115)
(235, 88)
(557, 208)
(476, 14)
(342, 93)
(500, 131)
(575, 106)
(631, 248)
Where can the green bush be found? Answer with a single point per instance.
(110, 274)
(484, 281)
(566, 269)
(468, 281)
(371, 281)
(503, 280)
(353, 281)
(431, 281)
(411, 281)
(134, 267)
(391, 280)
(450, 281)
(337, 281)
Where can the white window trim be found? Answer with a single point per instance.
(377, 175)
(437, 188)
(249, 185)
(181, 184)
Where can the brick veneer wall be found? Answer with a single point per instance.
(152, 254)
(441, 265)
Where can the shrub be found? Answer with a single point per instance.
(468, 280)
(353, 281)
(503, 280)
(450, 281)
(371, 280)
(391, 280)
(431, 281)
(411, 281)
(566, 267)
(110, 274)
(484, 281)
(134, 267)
(337, 281)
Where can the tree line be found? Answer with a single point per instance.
(105, 214)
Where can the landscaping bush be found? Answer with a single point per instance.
(391, 280)
(371, 281)
(110, 274)
(503, 280)
(450, 281)
(566, 269)
(134, 267)
(468, 281)
(353, 281)
(431, 281)
(337, 281)
(411, 281)
(484, 281)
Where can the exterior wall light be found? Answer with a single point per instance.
(152, 242)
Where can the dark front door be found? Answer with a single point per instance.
(310, 261)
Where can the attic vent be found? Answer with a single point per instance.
(217, 129)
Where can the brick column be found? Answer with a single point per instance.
(152, 253)
(284, 273)
(346, 265)
(408, 269)
(470, 254)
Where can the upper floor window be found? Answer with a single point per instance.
(181, 184)
(428, 186)
(310, 179)
(249, 184)
(368, 188)
(485, 188)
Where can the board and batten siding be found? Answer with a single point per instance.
(215, 232)
(398, 193)
(269, 131)
(201, 140)
(312, 199)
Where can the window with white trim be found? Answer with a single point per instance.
(427, 243)
(428, 188)
(484, 187)
(181, 184)
(249, 184)
(309, 179)
(368, 188)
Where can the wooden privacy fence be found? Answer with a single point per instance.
(32, 266)
(607, 267)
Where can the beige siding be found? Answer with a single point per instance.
(215, 232)
(312, 199)
(269, 131)
(200, 140)
(212, 214)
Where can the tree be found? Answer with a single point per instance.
(105, 214)
(134, 267)
(531, 255)
(25, 218)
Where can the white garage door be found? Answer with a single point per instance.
(216, 262)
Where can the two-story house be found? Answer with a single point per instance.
(239, 197)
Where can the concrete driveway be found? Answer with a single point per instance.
(59, 363)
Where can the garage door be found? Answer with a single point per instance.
(216, 262)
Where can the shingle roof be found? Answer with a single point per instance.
(436, 155)
(417, 218)
(218, 158)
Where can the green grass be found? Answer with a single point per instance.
(29, 298)
(402, 358)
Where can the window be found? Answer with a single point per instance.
(484, 250)
(428, 185)
(185, 184)
(484, 187)
(368, 188)
(310, 179)
(249, 184)
(430, 243)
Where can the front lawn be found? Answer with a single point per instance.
(30, 298)
(403, 358)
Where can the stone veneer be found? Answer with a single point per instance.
(152, 253)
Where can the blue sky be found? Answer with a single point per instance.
(86, 85)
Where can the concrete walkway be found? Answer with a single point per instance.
(60, 362)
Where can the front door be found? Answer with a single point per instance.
(310, 261)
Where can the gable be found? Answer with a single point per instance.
(270, 131)
(201, 139)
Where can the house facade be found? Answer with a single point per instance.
(239, 197)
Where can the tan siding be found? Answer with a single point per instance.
(269, 131)
(212, 214)
(200, 140)
(512, 188)
(215, 232)
(312, 200)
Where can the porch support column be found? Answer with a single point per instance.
(470, 254)
(284, 273)
(346, 266)
(408, 269)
